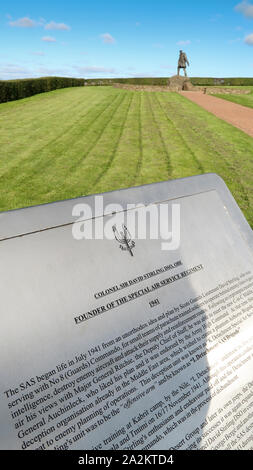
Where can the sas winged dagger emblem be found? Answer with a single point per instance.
(124, 239)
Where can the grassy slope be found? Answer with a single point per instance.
(245, 100)
(233, 87)
(80, 141)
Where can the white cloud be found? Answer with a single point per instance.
(92, 70)
(57, 26)
(27, 22)
(249, 40)
(47, 71)
(245, 8)
(107, 38)
(23, 23)
(11, 68)
(184, 43)
(12, 71)
(48, 39)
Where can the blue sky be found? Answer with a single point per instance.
(125, 39)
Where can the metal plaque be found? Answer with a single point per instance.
(126, 321)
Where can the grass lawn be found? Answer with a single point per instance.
(245, 100)
(79, 141)
(234, 87)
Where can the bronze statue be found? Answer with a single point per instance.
(182, 61)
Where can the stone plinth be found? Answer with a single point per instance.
(178, 83)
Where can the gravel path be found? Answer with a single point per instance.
(237, 115)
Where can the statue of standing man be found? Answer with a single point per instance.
(182, 61)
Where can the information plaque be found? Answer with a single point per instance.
(128, 342)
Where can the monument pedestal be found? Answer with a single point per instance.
(178, 83)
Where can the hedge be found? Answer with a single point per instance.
(163, 81)
(208, 81)
(17, 89)
(130, 81)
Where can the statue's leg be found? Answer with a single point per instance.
(185, 73)
(178, 70)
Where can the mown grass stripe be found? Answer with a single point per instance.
(96, 159)
(34, 144)
(57, 149)
(140, 159)
(115, 105)
(154, 157)
(166, 152)
(197, 166)
(116, 146)
(122, 170)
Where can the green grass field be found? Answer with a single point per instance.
(79, 141)
(233, 87)
(244, 100)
